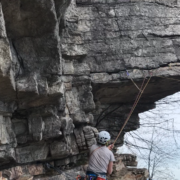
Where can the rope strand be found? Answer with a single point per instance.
(141, 90)
(133, 107)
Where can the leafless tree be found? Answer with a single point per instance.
(157, 144)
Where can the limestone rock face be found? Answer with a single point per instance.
(70, 68)
(122, 172)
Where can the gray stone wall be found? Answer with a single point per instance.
(66, 70)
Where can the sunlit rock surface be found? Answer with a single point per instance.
(72, 67)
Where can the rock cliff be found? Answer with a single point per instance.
(69, 68)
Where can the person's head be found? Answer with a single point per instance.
(103, 137)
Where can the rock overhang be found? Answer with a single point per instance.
(130, 40)
(123, 90)
(67, 62)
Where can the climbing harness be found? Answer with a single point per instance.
(95, 176)
(80, 178)
(91, 176)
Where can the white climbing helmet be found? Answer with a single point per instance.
(103, 137)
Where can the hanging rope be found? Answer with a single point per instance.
(132, 81)
(141, 90)
(133, 107)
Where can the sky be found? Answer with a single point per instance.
(162, 127)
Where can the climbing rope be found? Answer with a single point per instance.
(132, 81)
(134, 105)
(141, 90)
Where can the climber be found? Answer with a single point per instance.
(101, 158)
